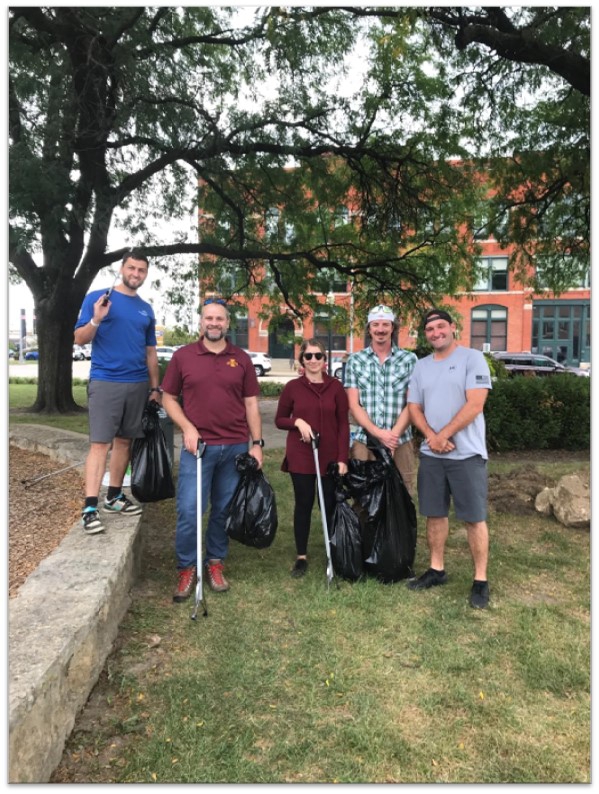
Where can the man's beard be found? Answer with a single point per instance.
(214, 334)
(129, 285)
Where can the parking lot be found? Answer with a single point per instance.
(81, 370)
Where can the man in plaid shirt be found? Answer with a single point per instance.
(376, 380)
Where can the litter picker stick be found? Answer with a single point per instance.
(108, 291)
(30, 482)
(323, 512)
(199, 566)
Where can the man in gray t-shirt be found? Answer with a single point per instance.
(446, 397)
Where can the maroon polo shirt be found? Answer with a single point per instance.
(213, 386)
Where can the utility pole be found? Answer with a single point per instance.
(330, 304)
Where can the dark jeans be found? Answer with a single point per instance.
(304, 487)
(219, 480)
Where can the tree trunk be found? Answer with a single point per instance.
(55, 329)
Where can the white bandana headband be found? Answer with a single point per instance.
(381, 312)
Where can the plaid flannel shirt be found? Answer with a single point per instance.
(382, 388)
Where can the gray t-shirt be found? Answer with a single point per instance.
(439, 386)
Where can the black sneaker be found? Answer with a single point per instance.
(479, 595)
(120, 504)
(90, 521)
(300, 568)
(430, 578)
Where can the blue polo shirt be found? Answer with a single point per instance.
(119, 345)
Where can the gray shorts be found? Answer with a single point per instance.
(115, 409)
(465, 480)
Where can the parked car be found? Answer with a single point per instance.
(82, 352)
(165, 352)
(336, 367)
(12, 354)
(32, 355)
(535, 364)
(262, 363)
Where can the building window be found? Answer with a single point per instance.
(488, 327)
(492, 274)
(581, 275)
(239, 332)
(561, 330)
(330, 280)
(342, 216)
(492, 223)
(271, 222)
(322, 327)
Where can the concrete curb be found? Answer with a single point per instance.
(63, 622)
(66, 616)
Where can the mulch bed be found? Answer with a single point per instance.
(39, 516)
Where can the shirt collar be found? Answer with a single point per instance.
(394, 350)
(203, 350)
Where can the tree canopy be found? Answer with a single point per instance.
(114, 112)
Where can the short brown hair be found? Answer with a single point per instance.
(132, 253)
(311, 343)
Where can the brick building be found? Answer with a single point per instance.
(498, 314)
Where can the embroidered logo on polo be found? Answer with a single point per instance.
(482, 379)
(232, 362)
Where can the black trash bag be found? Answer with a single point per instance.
(365, 480)
(252, 517)
(151, 473)
(391, 557)
(346, 534)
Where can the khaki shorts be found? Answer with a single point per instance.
(404, 459)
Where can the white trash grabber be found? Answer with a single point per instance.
(199, 565)
(323, 512)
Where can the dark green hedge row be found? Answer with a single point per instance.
(521, 413)
(552, 412)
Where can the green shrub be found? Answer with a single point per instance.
(551, 412)
(571, 402)
(496, 367)
(271, 389)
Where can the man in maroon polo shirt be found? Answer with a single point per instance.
(219, 390)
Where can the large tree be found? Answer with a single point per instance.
(114, 112)
(524, 80)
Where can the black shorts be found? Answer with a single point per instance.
(465, 480)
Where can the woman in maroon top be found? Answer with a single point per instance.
(312, 403)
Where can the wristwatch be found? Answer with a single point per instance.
(258, 443)
(155, 388)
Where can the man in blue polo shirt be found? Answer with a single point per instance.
(124, 375)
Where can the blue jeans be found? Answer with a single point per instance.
(219, 480)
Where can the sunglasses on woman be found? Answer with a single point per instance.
(317, 356)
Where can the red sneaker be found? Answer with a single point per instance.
(187, 578)
(214, 574)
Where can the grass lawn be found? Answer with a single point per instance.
(288, 681)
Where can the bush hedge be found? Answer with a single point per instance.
(521, 412)
(551, 412)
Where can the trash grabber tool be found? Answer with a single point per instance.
(323, 512)
(30, 482)
(199, 566)
(108, 291)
